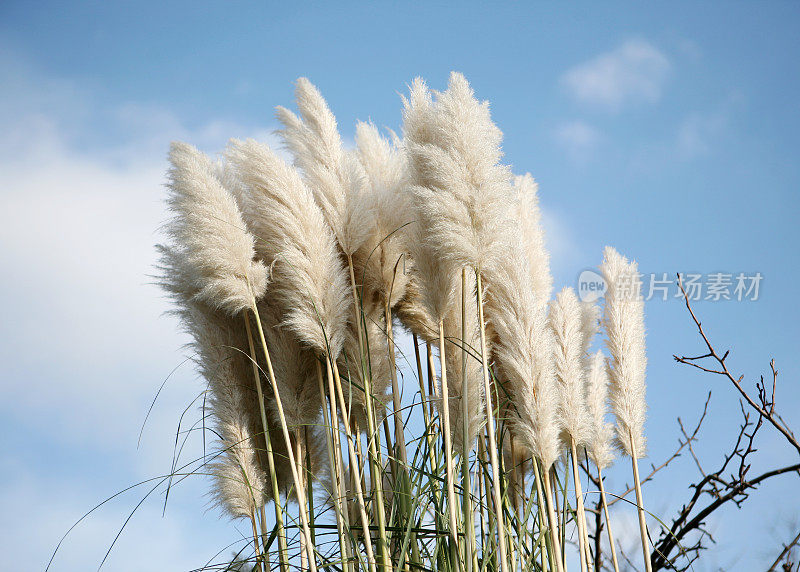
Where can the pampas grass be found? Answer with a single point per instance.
(310, 282)
(601, 434)
(336, 177)
(623, 318)
(303, 273)
(532, 235)
(209, 230)
(462, 193)
(567, 323)
(454, 157)
(340, 187)
(380, 261)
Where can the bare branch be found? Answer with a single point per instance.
(731, 482)
(787, 548)
(765, 408)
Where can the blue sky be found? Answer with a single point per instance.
(670, 132)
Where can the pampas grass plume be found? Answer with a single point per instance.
(530, 217)
(218, 346)
(601, 433)
(623, 320)
(523, 349)
(238, 480)
(380, 262)
(566, 320)
(336, 177)
(208, 229)
(461, 189)
(310, 283)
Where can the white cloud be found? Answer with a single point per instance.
(632, 73)
(84, 340)
(84, 343)
(578, 139)
(697, 133)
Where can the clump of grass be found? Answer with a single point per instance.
(315, 412)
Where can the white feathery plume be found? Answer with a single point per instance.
(310, 283)
(601, 433)
(523, 350)
(210, 233)
(462, 191)
(590, 325)
(566, 321)
(239, 483)
(435, 277)
(336, 177)
(523, 344)
(623, 319)
(220, 350)
(434, 281)
(380, 263)
(533, 239)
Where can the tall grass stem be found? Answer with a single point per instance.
(498, 503)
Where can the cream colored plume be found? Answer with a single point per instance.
(523, 347)
(220, 350)
(336, 177)
(208, 229)
(523, 351)
(433, 277)
(238, 481)
(433, 285)
(310, 284)
(462, 192)
(601, 433)
(566, 321)
(381, 263)
(533, 239)
(623, 320)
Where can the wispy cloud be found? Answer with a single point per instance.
(631, 73)
(85, 344)
(701, 132)
(578, 139)
(77, 229)
(698, 132)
